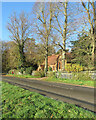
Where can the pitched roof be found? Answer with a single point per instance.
(52, 60)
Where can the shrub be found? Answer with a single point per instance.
(51, 74)
(14, 71)
(82, 76)
(73, 68)
(22, 70)
(50, 68)
(39, 73)
(29, 70)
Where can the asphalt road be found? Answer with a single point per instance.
(80, 96)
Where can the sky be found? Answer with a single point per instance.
(7, 9)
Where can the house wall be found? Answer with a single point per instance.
(56, 67)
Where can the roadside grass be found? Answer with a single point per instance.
(60, 80)
(70, 81)
(20, 103)
(23, 76)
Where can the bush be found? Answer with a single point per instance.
(82, 76)
(29, 70)
(14, 71)
(50, 68)
(39, 73)
(51, 74)
(73, 68)
(22, 70)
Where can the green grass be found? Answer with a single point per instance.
(20, 103)
(23, 76)
(75, 82)
(61, 80)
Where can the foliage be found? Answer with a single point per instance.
(20, 103)
(22, 70)
(71, 81)
(40, 52)
(14, 71)
(51, 74)
(50, 68)
(39, 73)
(81, 51)
(22, 76)
(30, 51)
(73, 68)
(18, 35)
(85, 76)
(10, 56)
(29, 70)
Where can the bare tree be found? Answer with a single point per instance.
(20, 29)
(61, 28)
(44, 15)
(90, 11)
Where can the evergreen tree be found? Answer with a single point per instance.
(82, 51)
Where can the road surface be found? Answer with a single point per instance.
(80, 96)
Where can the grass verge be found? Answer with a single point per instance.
(75, 82)
(20, 103)
(23, 76)
(60, 80)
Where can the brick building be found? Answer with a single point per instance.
(55, 62)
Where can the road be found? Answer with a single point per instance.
(80, 96)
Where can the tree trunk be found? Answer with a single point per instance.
(22, 56)
(64, 39)
(63, 56)
(93, 52)
(46, 57)
(94, 37)
(46, 64)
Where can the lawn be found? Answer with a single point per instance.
(60, 80)
(20, 103)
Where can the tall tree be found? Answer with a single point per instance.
(30, 51)
(10, 56)
(20, 29)
(81, 51)
(61, 28)
(90, 10)
(44, 14)
(5, 57)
